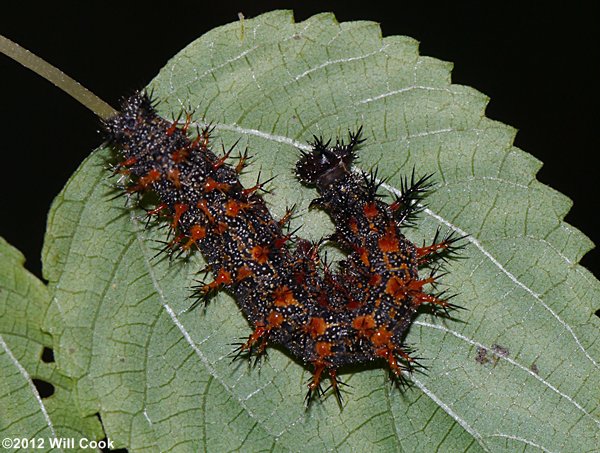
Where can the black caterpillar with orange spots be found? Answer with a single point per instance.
(356, 314)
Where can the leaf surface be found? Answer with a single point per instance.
(25, 412)
(519, 368)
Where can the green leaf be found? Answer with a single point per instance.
(518, 370)
(24, 414)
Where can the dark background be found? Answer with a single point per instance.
(537, 65)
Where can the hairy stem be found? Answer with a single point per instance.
(57, 77)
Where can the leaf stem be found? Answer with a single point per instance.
(57, 77)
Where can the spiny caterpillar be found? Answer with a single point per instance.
(324, 318)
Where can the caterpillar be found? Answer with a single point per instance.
(326, 318)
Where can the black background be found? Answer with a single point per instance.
(536, 64)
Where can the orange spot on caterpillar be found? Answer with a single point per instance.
(259, 335)
(396, 287)
(173, 176)
(353, 225)
(274, 320)
(364, 255)
(251, 190)
(388, 243)
(381, 337)
(417, 285)
(129, 162)
(157, 209)
(260, 254)
(188, 121)
(180, 208)
(281, 241)
(283, 296)
(425, 251)
(211, 185)
(144, 181)
(153, 175)
(203, 206)
(243, 160)
(221, 160)
(315, 327)
(286, 217)
(172, 128)
(234, 207)
(400, 288)
(423, 298)
(243, 273)
(375, 280)
(316, 378)
(353, 304)
(323, 349)
(180, 155)
(223, 278)
(257, 186)
(197, 233)
(388, 354)
(196, 143)
(364, 324)
(370, 210)
(392, 312)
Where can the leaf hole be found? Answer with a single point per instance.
(47, 355)
(597, 313)
(106, 449)
(44, 388)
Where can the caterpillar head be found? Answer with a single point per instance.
(326, 164)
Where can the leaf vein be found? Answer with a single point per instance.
(451, 413)
(511, 361)
(186, 335)
(29, 381)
